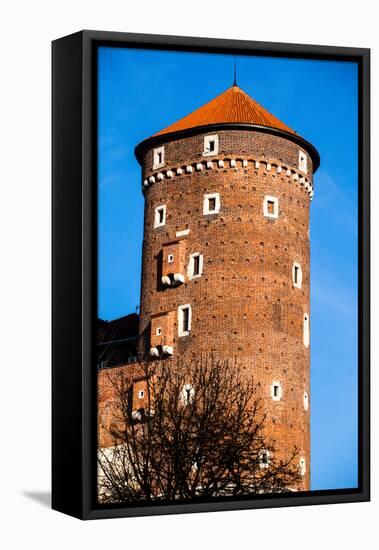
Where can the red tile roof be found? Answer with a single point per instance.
(232, 106)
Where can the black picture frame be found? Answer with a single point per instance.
(74, 295)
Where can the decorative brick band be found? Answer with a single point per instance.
(234, 164)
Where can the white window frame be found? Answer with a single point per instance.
(306, 400)
(207, 140)
(261, 463)
(299, 281)
(170, 258)
(182, 332)
(141, 394)
(303, 161)
(158, 331)
(280, 392)
(187, 394)
(275, 213)
(157, 222)
(306, 331)
(208, 197)
(191, 265)
(156, 164)
(302, 466)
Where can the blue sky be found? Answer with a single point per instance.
(140, 92)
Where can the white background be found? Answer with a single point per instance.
(26, 31)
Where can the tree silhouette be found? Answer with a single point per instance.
(199, 433)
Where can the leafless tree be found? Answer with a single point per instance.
(199, 434)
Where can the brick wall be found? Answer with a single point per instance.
(245, 304)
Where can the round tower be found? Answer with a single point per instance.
(226, 253)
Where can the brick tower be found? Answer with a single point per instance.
(226, 254)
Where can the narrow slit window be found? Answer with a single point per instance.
(305, 401)
(170, 258)
(196, 265)
(297, 275)
(141, 394)
(210, 145)
(158, 160)
(306, 330)
(188, 394)
(264, 459)
(184, 320)
(270, 207)
(160, 216)
(302, 161)
(276, 391)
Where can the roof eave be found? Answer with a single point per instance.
(171, 136)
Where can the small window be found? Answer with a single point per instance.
(158, 332)
(160, 216)
(270, 207)
(306, 401)
(276, 391)
(184, 320)
(297, 275)
(141, 394)
(210, 145)
(195, 266)
(306, 330)
(264, 459)
(211, 203)
(302, 161)
(170, 258)
(188, 394)
(158, 161)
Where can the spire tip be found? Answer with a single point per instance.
(235, 72)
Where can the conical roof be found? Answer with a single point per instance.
(233, 106)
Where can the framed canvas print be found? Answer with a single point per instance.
(210, 275)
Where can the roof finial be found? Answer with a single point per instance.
(235, 72)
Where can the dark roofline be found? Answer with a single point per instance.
(172, 136)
